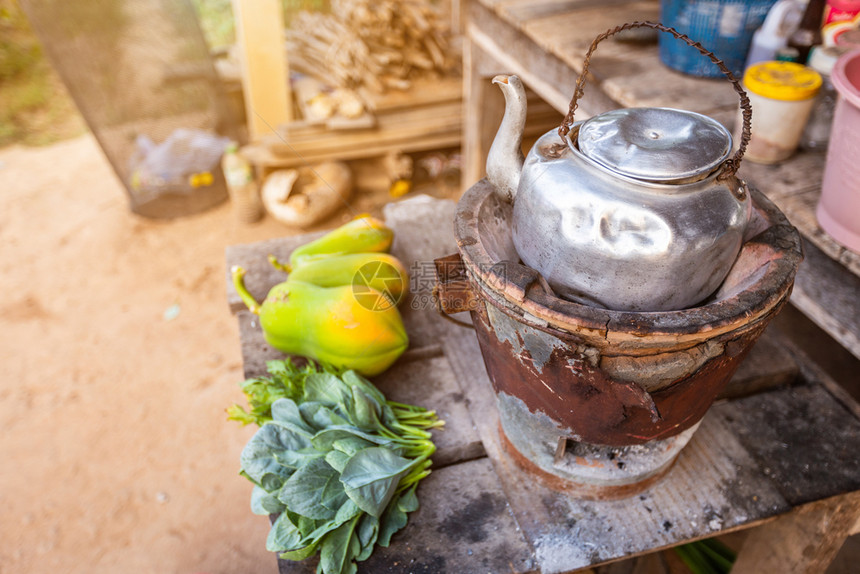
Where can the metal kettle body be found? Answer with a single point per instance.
(602, 237)
(606, 240)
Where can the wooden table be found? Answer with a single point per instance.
(778, 451)
(544, 42)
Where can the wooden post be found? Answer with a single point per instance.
(265, 73)
(483, 108)
(804, 541)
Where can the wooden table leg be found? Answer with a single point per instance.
(483, 108)
(265, 73)
(804, 541)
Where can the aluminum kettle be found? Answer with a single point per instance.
(635, 209)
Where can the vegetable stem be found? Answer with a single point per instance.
(238, 274)
(285, 267)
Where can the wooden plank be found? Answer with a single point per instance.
(425, 118)
(264, 160)
(795, 186)
(464, 525)
(423, 231)
(425, 91)
(804, 440)
(260, 40)
(546, 73)
(438, 117)
(768, 365)
(630, 74)
(812, 371)
(430, 382)
(715, 486)
(568, 34)
(425, 128)
(800, 174)
(828, 281)
(803, 542)
(524, 11)
(828, 294)
(800, 208)
(425, 96)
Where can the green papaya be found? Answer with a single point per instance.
(361, 235)
(328, 324)
(379, 272)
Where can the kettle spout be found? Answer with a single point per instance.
(505, 159)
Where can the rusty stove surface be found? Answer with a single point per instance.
(598, 376)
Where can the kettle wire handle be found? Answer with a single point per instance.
(731, 165)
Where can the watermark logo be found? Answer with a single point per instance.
(378, 285)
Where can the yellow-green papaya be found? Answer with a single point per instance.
(379, 272)
(361, 235)
(328, 324)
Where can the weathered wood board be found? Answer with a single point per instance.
(753, 459)
(464, 526)
(805, 441)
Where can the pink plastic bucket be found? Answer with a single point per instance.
(839, 208)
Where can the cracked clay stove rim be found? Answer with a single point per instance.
(761, 277)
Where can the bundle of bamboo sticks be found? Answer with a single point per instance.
(370, 46)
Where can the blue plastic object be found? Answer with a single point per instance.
(725, 27)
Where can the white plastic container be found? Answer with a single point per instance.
(244, 194)
(781, 94)
(782, 19)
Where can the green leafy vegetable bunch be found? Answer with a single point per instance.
(335, 460)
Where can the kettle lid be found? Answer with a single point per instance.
(655, 144)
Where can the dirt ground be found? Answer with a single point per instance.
(116, 453)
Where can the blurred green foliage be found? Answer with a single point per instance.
(34, 108)
(19, 48)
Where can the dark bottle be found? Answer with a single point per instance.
(808, 33)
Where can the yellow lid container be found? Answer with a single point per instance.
(785, 81)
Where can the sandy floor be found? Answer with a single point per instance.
(116, 454)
